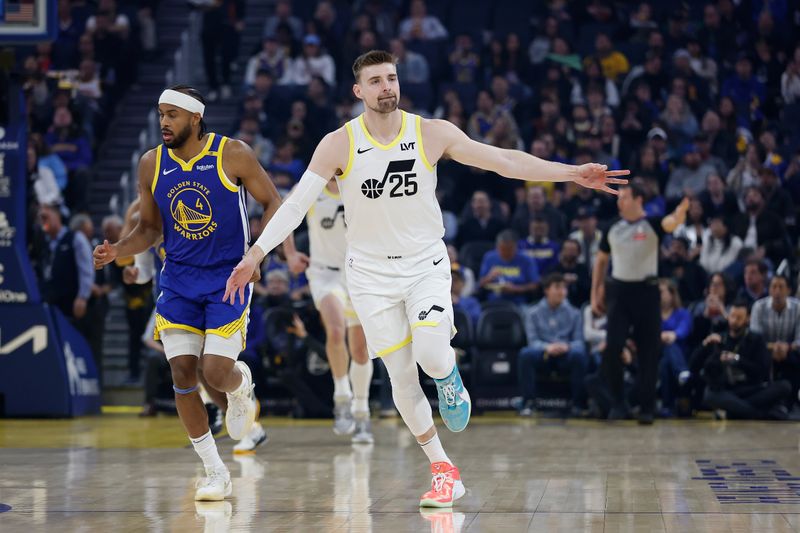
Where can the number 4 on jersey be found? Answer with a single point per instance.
(399, 175)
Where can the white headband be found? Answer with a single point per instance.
(184, 101)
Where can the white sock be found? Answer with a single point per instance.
(341, 387)
(206, 448)
(433, 449)
(361, 377)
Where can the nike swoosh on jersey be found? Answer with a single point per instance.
(439, 261)
(360, 151)
(170, 171)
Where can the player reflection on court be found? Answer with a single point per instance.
(351, 486)
(443, 520)
(219, 517)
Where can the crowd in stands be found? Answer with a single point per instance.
(697, 99)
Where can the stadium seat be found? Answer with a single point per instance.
(471, 254)
(499, 337)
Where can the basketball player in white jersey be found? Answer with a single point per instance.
(325, 273)
(398, 271)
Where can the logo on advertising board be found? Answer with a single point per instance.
(76, 370)
(7, 231)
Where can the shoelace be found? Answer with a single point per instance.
(211, 478)
(437, 483)
(449, 392)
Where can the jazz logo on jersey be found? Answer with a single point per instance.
(328, 222)
(191, 210)
(400, 178)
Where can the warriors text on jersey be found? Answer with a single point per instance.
(389, 192)
(326, 230)
(196, 199)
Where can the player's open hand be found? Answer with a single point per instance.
(596, 176)
(103, 254)
(239, 279)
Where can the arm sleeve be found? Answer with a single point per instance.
(145, 263)
(755, 319)
(292, 211)
(604, 245)
(655, 222)
(83, 258)
(684, 325)
(532, 331)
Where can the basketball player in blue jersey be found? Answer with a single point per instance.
(397, 268)
(191, 191)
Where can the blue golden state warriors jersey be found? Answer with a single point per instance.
(203, 211)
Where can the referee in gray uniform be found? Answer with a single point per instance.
(631, 296)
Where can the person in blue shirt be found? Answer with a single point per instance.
(539, 247)
(676, 325)
(507, 273)
(555, 343)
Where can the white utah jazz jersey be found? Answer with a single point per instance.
(389, 192)
(326, 230)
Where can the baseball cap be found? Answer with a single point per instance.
(656, 132)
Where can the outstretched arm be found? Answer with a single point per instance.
(324, 165)
(449, 141)
(671, 222)
(147, 231)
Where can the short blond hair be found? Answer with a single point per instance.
(373, 57)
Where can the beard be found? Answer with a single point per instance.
(180, 138)
(385, 105)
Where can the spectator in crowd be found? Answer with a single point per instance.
(677, 264)
(506, 273)
(575, 273)
(717, 200)
(42, 181)
(614, 63)
(283, 18)
(704, 149)
(723, 143)
(271, 58)
(312, 62)
(744, 89)
(74, 149)
(411, 66)
(480, 224)
(536, 204)
(555, 344)
(777, 199)
(419, 26)
(538, 246)
(594, 333)
(710, 314)
(65, 268)
(466, 272)
(676, 326)
(493, 125)
(777, 319)
(694, 228)
(92, 326)
(762, 230)
(249, 133)
(464, 60)
(468, 304)
(284, 160)
(120, 24)
(720, 247)
(587, 235)
(755, 282)
(689, 178)
(745, 173)
(790, 79)
(736, 368)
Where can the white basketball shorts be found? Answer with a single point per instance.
(392, 296)
(323, 281)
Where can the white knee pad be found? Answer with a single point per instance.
(407, 392)
(431, 348)
(181, 342)
(229, 347)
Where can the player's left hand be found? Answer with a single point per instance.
(239, 279)
(596, 176)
